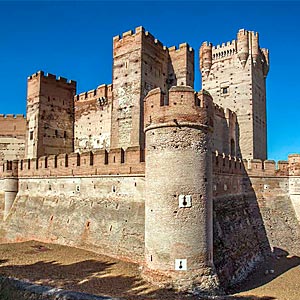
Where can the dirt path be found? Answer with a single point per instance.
(88, 272)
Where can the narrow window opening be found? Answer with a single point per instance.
(78, 159)
(106, 158)
(66, 160)
(122, 156)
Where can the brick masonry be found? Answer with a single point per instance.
(106, 170)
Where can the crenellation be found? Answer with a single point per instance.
(100, 162)
(103, 91)
(224, 50)
(269, 166)
(51, 78)
(172, 48)
(149, 152)
(127, 33)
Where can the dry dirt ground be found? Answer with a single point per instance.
(88, 272)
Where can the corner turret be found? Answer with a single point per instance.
(243, 46)
(178, 204)
(205, 58)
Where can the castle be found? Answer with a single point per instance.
(148, 170)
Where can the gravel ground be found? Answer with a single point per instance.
(87, 272)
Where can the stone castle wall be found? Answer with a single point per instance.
(103, 213)
(85, 181)
(253, 213)
(104, 210)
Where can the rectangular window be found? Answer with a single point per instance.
(31, 135)
(225, 90)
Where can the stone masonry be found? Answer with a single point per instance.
(148, 170)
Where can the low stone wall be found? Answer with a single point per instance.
(103, 214)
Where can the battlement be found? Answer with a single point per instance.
(100, 162)
(12, 125)
(51, 77)
(181, 46)
(246, 32)
(129, 33)
(257, 167)
(224, 50)
(12, 117)
(102, 92)
(183, 105)
(134, 33)
(226, 164)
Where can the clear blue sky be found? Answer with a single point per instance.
(73, 39)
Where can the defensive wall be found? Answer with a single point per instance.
(96, 201)
(93, 202)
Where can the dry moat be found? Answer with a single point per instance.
(88, 272)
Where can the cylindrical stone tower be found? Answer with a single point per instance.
(178, 207)
(11, 184)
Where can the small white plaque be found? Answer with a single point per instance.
(180, 264)
(185, 201)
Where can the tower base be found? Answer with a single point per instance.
(201, 282)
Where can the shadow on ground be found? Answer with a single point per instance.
(93, 277)
(108, 277)
(275, 265)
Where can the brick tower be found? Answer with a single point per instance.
(178, 201)
(235, 75)
(50, 115)
(140, 64)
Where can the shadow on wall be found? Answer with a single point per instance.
(240, 238)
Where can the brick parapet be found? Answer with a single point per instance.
(51, 77)
(12, 125)
(184, 106)
(182, 47)
(225, 164)
(139, 31)
(101, 162)
(102, 92)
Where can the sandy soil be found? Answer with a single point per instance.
(84, 271)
